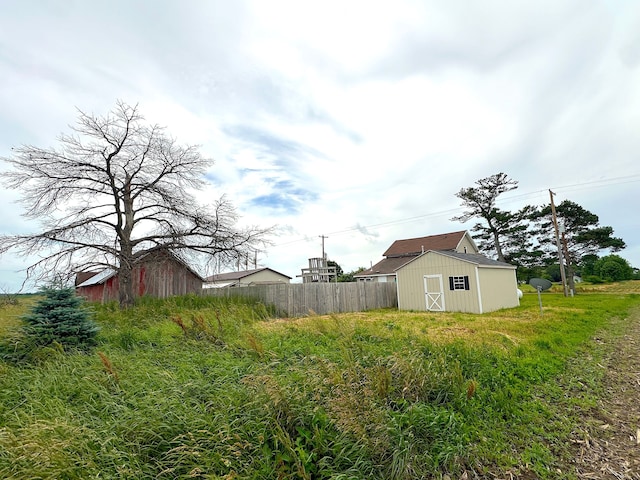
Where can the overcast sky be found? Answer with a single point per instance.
(357, 120)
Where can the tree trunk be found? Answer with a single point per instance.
(125, 283)
(126, 293)
(570, 274)
(570, 280)
(496, 241)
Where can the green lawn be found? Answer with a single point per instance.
(216, 388)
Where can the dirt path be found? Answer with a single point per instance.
(608, 444)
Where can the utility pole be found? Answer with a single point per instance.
(326, 270)
(323, 254)
(557, 231)
(565, 250)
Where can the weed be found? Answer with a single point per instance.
(108, 366)
(255, 345)
(9, 300)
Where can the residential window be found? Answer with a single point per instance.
(459, 283)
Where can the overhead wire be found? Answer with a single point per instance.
(507, 199)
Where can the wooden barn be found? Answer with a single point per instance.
(159, 274)
(456, 282)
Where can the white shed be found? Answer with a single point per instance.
(456, 282)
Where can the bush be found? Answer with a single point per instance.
(613, 268)
(59, 317)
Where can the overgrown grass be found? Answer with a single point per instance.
(202, 387)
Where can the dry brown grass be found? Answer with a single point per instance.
(10, 314)
(630, 286)
(503, 329)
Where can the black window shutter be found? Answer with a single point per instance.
(450, 283)
(466, 282)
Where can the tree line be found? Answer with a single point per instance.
(527, 238)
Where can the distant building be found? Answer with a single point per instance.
(258, 276)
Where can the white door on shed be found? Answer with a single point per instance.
(434, 293)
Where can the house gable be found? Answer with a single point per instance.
(447, 241)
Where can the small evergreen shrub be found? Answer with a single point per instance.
(60, 317)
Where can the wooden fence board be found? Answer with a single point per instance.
(300, 299)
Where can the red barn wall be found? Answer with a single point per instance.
(161, 276)
(102, 292)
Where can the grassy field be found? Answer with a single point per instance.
(217, 388)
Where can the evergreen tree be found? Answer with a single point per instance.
(60, 317)
(584, 237)
(480, 202)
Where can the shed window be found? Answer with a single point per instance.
(459, 283)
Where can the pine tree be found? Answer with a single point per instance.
(60, 317)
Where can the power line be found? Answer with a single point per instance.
(507, 199)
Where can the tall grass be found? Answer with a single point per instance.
(204, 387)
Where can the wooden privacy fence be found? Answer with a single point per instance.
(299, 299)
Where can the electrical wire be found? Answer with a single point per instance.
(605, 182)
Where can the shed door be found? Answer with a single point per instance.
(434, 293)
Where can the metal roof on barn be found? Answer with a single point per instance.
(98, 278)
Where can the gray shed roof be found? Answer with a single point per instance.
(387, 266)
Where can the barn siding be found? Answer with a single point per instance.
(102, 292)
(160, 276)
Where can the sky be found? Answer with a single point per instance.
(353, 120)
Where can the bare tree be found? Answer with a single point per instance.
(114, 191)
